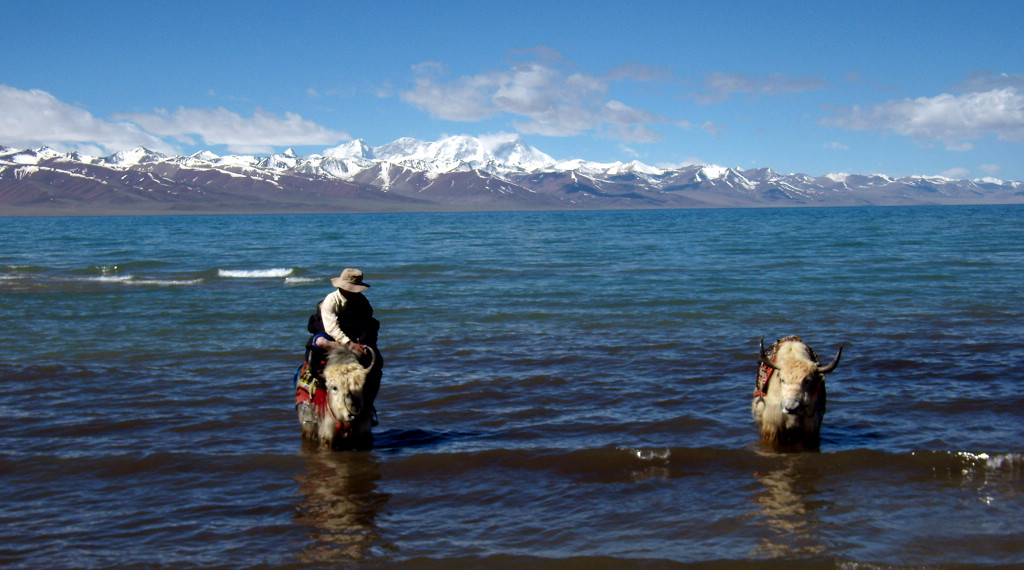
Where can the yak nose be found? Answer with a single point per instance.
(792, 405)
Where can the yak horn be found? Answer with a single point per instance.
(373, 357)
(832, 365)
(764, 357)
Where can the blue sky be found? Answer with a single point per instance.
(896, 87)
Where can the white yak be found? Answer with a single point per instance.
(789, 397)
(338, 411)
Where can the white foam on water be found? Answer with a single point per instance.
(166, 282)
(994, 461)
(255, 273)
(111, 278)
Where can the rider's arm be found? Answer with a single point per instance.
(329, 313)
(326, 344)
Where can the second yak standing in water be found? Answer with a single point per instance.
(789, 397)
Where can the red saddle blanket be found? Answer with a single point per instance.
(308, 388)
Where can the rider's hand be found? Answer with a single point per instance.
(357, 348)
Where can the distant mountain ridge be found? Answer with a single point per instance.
(456, 173)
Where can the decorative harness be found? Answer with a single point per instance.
(309, 388)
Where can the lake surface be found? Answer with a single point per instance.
(561, 390)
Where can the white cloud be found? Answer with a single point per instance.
(950, 119)
(836, 146)
(466, 99)
(36, 118)
(990, 169)
(719, 86)
(712, 128)
(620, 113)
(632, 133)
(258, 134)
(986, 81)
(957, 173)
(541, 96)
(689, 161)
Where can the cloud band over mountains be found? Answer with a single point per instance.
(541, 97)
(37, 118)
(544, 96)
(951, 119)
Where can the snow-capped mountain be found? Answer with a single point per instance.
(459, 172)
(499, 155)
(133, 157)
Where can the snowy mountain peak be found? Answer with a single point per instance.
(135, 156)
(282, 161)
(201, 159)
(634, 167)
(28, 156)
(401, 149)
(713, 172)
(497, 154)
(989, 180)
(46, 153)
(511, 151)
(352, 149)
(205, 156)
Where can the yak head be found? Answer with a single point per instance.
(345, 378)
(800, 378)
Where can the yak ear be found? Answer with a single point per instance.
(763, 358)
(832, 365)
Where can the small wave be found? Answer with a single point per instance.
(110, 278)
(651, 454)
(301, 280)
(20, 276)
(1008, 462)
(255, 273)
(166, 282)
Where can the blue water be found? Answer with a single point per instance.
(561, 388)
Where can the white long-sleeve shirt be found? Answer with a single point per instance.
(336, 309)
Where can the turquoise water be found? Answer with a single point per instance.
(561, 387)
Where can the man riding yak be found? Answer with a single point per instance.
(344, 319)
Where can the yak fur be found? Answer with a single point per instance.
(789, 398)
(346, 416)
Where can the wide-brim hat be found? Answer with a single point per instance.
(350, 280)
